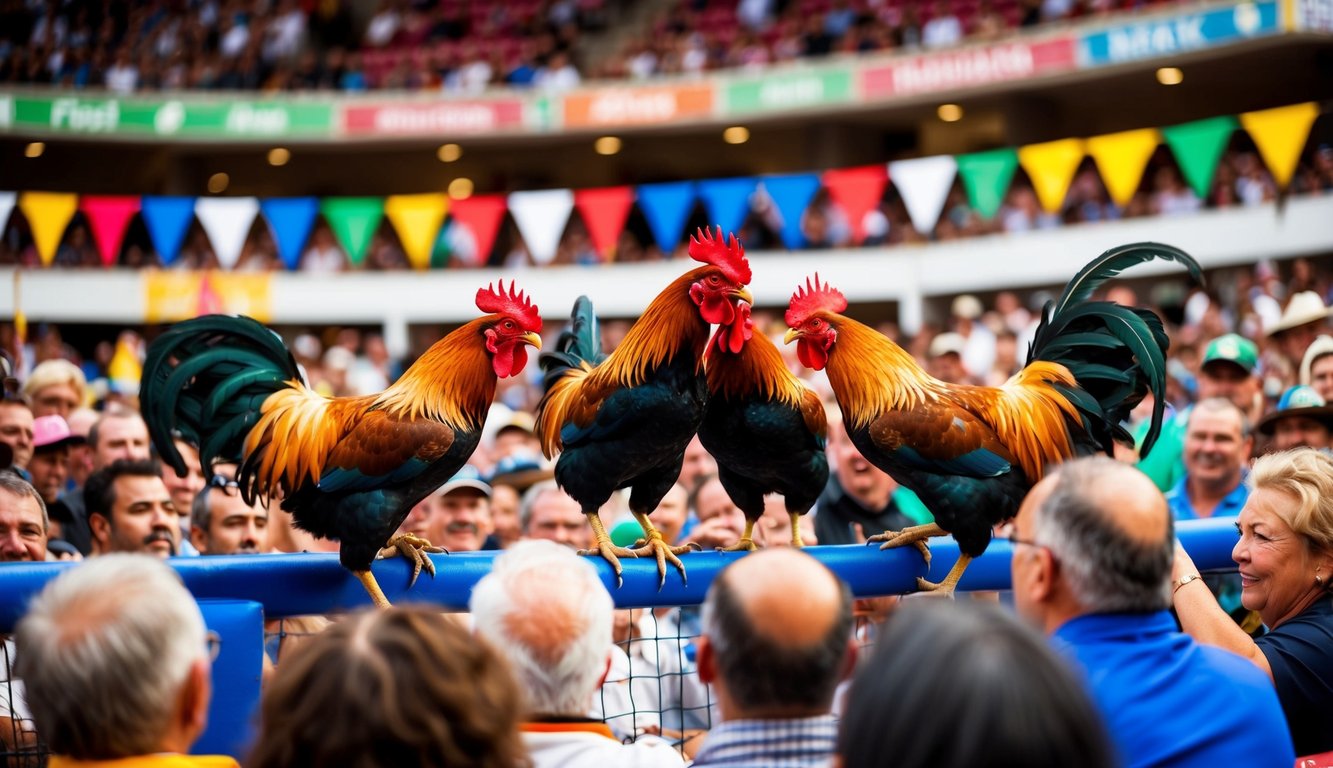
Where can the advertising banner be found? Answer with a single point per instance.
(968, 68)
(1178, 34)
(610, 107)
(444, 118)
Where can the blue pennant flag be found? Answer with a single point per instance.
(167, 219)
(290, 219)
(667, 207)
(727, 201)
(792, 195)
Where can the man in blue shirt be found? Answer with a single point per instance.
(776, 641)
(1092, 568)
(1218, 440)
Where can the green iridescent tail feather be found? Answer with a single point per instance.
(579, 343)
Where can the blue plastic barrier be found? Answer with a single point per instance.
(236, 676)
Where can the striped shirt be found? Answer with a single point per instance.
(803, 742)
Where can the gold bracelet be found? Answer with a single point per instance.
(1183, 580)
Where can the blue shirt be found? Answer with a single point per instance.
(1169, 701)
(1178, 500)
(796, 743)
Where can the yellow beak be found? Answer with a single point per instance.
(792, 335)
(743, 295)
(533, 339)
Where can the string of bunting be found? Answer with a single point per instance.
(541, 216)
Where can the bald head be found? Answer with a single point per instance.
(778, 627)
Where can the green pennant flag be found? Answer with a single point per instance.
(1198, 147)
(353, 220)
(986, 176)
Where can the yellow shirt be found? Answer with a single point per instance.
(165, 760)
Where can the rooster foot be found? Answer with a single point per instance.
(934, 590)
(894, 539)
(612, 554)
(656, 546)
(413, 548)
(745, 544)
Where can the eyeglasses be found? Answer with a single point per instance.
(214, 643)
(1015, 539)
(223, 482)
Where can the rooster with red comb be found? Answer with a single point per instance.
(348, 468)
(971, 453)
(623, 420)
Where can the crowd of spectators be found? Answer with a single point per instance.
(465, 46)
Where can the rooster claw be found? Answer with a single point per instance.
(744, 544)
(893, 539)
(413, 548)
(664, 552)
(612, 554)
(932, 589)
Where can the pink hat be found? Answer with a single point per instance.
(50, 432)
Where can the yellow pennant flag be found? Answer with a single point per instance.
(1051, 167)
(48, 214)
(1280, 135)
(417, 219)
(1121, 158)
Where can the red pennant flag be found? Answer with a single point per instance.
(481, 214)
(208, 301)
(604, 210)
(109, 217)
(857, 191)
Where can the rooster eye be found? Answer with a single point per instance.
(509, 325)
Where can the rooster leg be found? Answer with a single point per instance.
(604, 547)
(746, 543)
(656, 545)
(916, 536)
(796, 532)
(367, 580)
(413, 548)
(945, 588)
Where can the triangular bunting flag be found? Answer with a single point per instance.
(167, 219)
(417, 219)
(1198, 146)
(727, 201)
(986, 177)
(48, 214)
(1280, 135)
(290, 219)
(1051, 166)
(792, 195)
(604, 211)
(667, 207)
(924, 184)
(1121, 158)
(856, 191)
(481, 214)
(227, 222)
(541, 217)
(353, 221)
(108, 217)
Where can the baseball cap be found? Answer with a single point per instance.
(50, 432)
(1234, 349)
(466, 477)
(520, 470)
(945, 343)
(1299, 400)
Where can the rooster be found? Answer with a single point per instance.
(348, 468)
(623, 420)
(971, 453)
(765, 428)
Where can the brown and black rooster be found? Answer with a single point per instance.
(348, 468)
(623, 420)
(971, 453)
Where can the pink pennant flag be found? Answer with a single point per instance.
(604, 211)
(109, 216)
(857, 191)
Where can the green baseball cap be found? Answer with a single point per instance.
(1233, 349)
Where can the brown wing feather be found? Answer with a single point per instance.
(379, 443)
(938, 431)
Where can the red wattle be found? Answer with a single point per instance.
(811, 355)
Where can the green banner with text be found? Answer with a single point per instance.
(223, 120)
(794, 90)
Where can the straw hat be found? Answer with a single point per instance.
(1305, 307)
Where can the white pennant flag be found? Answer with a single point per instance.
(541, 218)
(924, 184)
(6, 207)
(227, 222)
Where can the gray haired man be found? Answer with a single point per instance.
(116, 661)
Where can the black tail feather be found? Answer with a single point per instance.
(579, 343)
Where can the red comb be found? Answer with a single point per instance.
(513, 304)
(727, 256)
(811, 298)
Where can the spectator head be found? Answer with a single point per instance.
(1229, 367)
(16, 430)
(547, 512)
(115, 660)
(130, 510)
(81, 423)
(1317, 367)
(777, 636)
(49, 465)
(515, 435)
(671, 513)
(870, 486)
(546, 609)
(1011, 700)
(1302, 320)
(1301, 419)
(1094, 536)
(945, 358)
(120, 434)
(55, 386)
(698, 462)
(505, 504)
(461, 520)
(1217, 445)
(221, 523)
(184, 489)
(23, 521)
(412, 688)
(710, 501)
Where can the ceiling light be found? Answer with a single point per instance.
(950, 113)
(217, 183)
(448, 153)
(460, 188)
(35, 149)
(1170, 76)
(278, 156)
(607, 145)
(736, 134)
